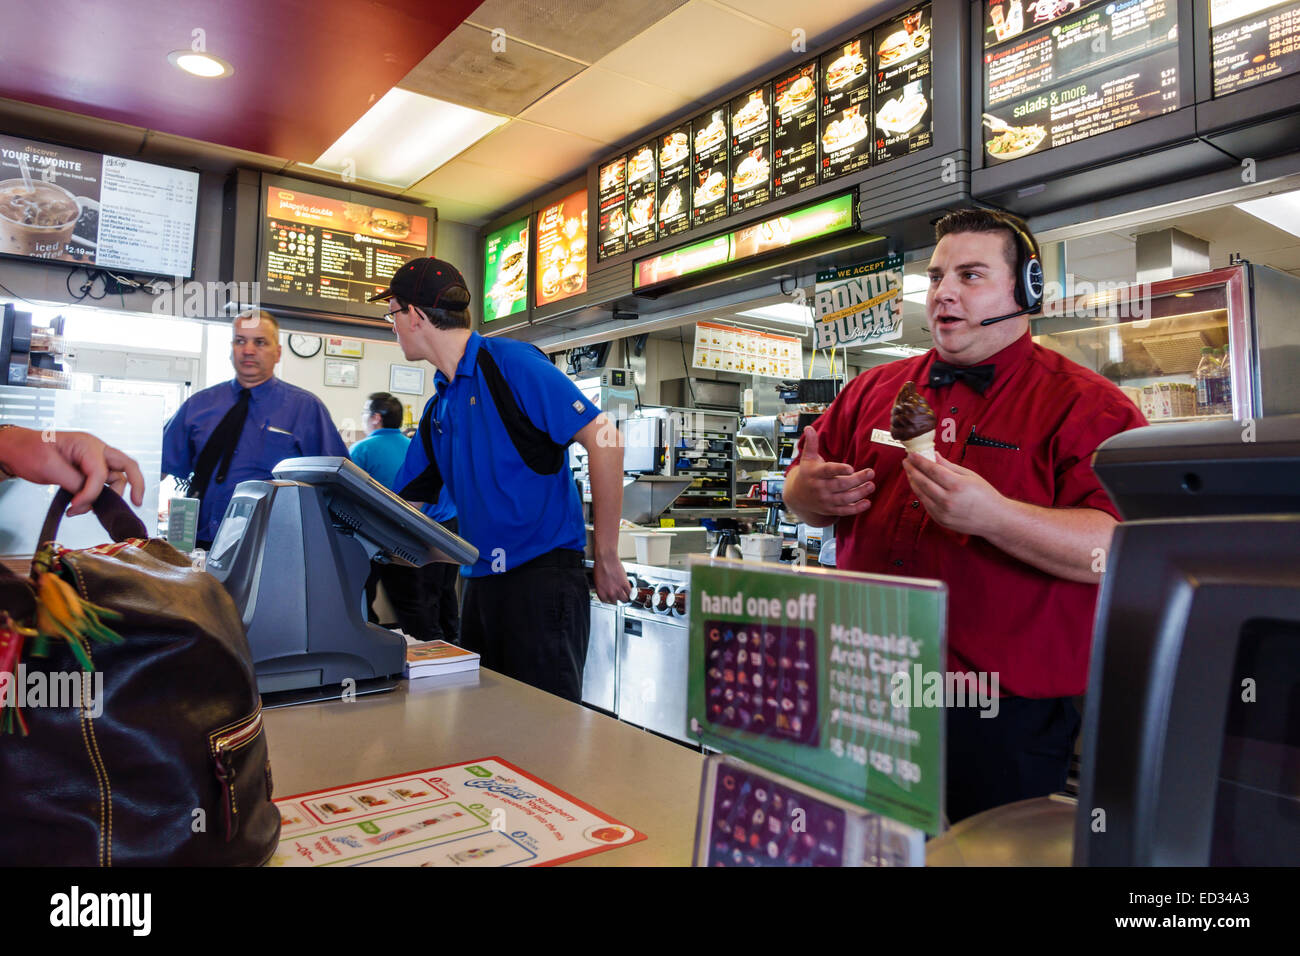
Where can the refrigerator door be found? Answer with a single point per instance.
(1149, 340)
(1275, 301)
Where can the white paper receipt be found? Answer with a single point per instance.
(882, 436)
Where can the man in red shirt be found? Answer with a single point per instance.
(1009, 514)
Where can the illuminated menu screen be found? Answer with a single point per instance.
(611, 228)
(1253, 41)
(93, 210)
(794, 131)
(505, 271)
(902, 94)
(1073, 70)
(642, 207)
(562, 249)
(751, 149)
(335, 251)
(846, 109)
(710, 170)
(675, 181)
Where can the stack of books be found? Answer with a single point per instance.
(435, 658)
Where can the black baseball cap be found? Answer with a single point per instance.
(429, 283)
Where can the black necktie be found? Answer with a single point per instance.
(220, 447)
(977, 377)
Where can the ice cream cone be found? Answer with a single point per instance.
(922, 444)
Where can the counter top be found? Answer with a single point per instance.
(630, 774)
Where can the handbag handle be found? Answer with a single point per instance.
(117, 519)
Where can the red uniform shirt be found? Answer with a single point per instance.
(1036, 428)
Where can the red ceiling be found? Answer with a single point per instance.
(304, 71)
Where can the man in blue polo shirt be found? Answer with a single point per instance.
(424, 599)
(241, 429)
(496, 433)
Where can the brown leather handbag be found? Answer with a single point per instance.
(167, 764)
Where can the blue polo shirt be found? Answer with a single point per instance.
(508, 511)
(284, 421)
(381, 454)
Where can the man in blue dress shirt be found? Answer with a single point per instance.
(424, 599)
(241, 429)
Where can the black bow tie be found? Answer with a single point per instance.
(978, 377)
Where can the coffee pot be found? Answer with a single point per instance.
(728, 545)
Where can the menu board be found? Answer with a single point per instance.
(1253, 41)
(709, 168)
(846, 109)
(751, 149)
(96, 210)
(333, 250)
(794, 131)
(728, 348)
(505, 271)
(903, 109)
(611, 229)
(642, 207)
(675, 181)
(562, 249)
(1072, 73)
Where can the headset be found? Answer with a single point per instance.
(1028, 273)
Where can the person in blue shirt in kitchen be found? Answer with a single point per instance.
(496, 433)
(241, 429)
(424, 599)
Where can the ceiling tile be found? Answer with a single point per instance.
(551, 154)
(583, 29)
(481, 185)
(605, 106)
(464, 69)
(453, 209)
(820, 21)
(699, 49)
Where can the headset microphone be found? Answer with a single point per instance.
(1009, 315)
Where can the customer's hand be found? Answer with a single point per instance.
(612, 585)
(75, 461)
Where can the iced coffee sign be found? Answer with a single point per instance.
(859, 304)
(822, 675)
(75, 206)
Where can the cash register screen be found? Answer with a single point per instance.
(232, 528)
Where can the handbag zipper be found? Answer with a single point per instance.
(224, 744)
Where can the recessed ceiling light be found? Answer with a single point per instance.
(200, 64)
(787, 312)
(404, 137)
(897, 351)
(1183, 295)
(1281, 210)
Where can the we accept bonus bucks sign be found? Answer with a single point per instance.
(854, 305)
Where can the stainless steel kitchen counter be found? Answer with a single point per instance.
(633, 776)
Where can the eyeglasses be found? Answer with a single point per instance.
(388, 316)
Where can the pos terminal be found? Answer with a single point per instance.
(294, 553)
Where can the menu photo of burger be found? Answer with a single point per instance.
(641, 164)
(712, 187)
(751, 171)
(906, 43)
(712, 134)
(752, 114)
(847, 67)
(796, 95)
(611, 176)
(512, 276)
(674, 149)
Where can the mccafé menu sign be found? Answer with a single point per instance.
(1253, 41)
(562, 249)
(1059, 71)
(864, 102)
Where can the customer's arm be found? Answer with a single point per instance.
(604, 447)
(76, 461)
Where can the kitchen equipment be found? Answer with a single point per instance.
(652, 547)
(728, 545)
(761, 547)
(646, 497)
